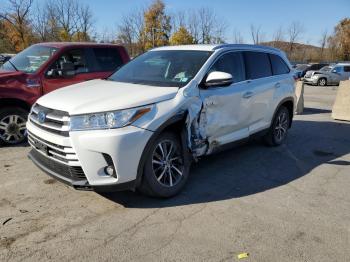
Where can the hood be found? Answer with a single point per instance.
(102, 95)
(5, 73)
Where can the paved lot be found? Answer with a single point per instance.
(290, 203)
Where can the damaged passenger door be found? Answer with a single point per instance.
(226, 108)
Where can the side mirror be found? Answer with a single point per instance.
(218, 78)
(67, 69)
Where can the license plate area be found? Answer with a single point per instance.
(41, 147)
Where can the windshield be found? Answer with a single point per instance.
(162, 68)
(30, 59)
(326, 69)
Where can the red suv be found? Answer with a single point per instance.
(42, 68)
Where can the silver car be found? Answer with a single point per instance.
(328, 75)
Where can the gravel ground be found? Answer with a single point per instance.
(290, 203)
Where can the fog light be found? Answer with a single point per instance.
(109, 170)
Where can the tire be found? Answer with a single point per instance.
(322, 82)
(278, 131)
(163, 177)
(12, 125)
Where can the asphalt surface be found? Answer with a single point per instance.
(290, 203)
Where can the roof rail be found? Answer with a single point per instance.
(247, 46)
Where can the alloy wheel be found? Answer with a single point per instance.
(167, 163)
(281, 126)
(322, 82)
(12, 129)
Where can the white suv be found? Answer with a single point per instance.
(142, 127)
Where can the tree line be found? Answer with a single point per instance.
(25, 22)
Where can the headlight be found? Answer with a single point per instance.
(107, 120)
(314, 76)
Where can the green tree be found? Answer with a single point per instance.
(181, 37)
(156, 26)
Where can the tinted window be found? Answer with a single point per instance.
(108, 59)
(231, 63)
(346, 68)
(257, 65)
(279, 67)
(75, 56)
(337, 69)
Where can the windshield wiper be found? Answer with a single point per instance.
(13, 65)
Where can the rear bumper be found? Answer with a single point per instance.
(66, 178)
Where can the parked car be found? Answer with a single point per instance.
(142, 126)
(43, 68)
(300, 69)
(328, 75)
(311, 67)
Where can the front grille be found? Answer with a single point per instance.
(63, 154)
(74, 173)
(55, 121)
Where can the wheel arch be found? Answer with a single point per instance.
(14, 102)
(288, 102)
(174, 124)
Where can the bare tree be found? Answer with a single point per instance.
(41, 24)
(205, 27)
(294, 32)
(323, 43)
(237, 37)
(278, 37)
(130, 32)
(193, 26)
(85, 22)
(257, 35)
(70, 19)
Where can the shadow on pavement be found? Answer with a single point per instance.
(312, 111)
(254, 168)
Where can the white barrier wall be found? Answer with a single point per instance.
(299, 92)
(341, 107)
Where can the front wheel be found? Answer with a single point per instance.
(166, 168)
(322, 82)
(12, 125)
(279, 128)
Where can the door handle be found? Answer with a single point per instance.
(248, 94)
(278, 85)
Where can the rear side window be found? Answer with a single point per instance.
(346, 68)
(108, 59)
(257, 65)
(279, 67)
(231, 63)
(337, 69)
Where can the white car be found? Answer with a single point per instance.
(142, 127)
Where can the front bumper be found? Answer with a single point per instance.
(84, 164)
(312, 81)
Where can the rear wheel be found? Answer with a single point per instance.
(166, 168)
(322, 82)
(12, 125)
(279, 128)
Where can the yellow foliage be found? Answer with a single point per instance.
(181, 37)
(157, 26)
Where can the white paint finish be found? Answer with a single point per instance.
(124, 145)
(102, 95)
(225, 111)
(217, 76)
(215, 116)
